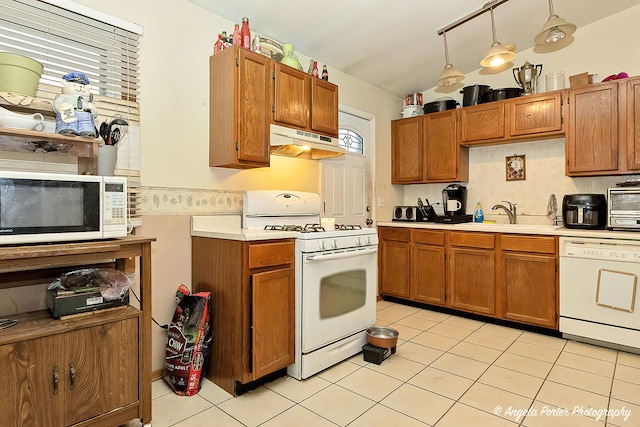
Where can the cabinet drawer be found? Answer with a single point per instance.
(536, 244)
(472, 240)
(400, 234)
(428, 236)
(268, 254)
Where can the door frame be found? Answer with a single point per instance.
(370, 155)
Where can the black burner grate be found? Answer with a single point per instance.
(348, 227)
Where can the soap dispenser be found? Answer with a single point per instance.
(478, 216)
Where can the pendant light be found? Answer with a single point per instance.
(450, 74)
(498, 54)
(555, 29)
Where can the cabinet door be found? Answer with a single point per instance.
(105, 361)
(29, 396)
(482, 123)
(536, 114)
(472, 280)
(255, 102)
(272, 310)
(443, 162)
(394, 263)
(240, 108)
(407, 151)
(427, 273)
(592, 138)
(530, 288)
(324, 107)
(291, 96)
(633, 124)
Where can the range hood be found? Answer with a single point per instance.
(302, 144)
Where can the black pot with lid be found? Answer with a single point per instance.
(472, 95)
(440, 104)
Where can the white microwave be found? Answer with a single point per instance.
(48, 207)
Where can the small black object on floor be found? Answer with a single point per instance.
(373, 354)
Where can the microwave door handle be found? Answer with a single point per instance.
(340, 255)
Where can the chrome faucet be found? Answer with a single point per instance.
(511, 210)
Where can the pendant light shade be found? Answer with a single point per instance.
(555, 29)
(498, 54)
(450, 74)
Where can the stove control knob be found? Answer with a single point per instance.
(322, 245)
(334, 244)
(368, 240)
(358, 241)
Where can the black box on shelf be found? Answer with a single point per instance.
(373, 354)
(64, 303)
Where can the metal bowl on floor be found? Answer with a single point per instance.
(382, 337)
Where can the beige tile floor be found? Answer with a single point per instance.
(448, 371)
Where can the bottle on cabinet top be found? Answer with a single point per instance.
(245, 33)
(314, 72)
(325, 73)
(237, 38)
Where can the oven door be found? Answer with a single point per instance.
(338, 295)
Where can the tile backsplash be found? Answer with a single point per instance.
(545, 175)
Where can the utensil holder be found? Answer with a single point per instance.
(107, 157)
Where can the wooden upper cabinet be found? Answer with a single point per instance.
(407, 151)
(592, 139)
(291, 96)
(444, 160)
(633, 123)
(240, 107)
(535, 114)
(324, 107)
(482, 123)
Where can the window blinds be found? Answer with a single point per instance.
(63, 41)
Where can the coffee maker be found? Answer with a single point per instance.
(454, 201)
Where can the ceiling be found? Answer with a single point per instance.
(395, 45)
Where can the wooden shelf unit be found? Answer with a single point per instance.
(109, 350)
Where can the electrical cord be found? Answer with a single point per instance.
(154, 320)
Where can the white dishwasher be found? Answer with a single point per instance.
(598, 289)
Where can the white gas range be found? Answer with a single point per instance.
(336, 276)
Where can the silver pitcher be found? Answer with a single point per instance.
(527, 77)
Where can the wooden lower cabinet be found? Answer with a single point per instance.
(472, 269)
(529, 278)
(394, 259)
(252, 285)
(273, 319)
(427, 283)
(65, 379)
(506, 276)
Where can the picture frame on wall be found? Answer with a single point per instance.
(515, 168)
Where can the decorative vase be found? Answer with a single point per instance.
(288, 57)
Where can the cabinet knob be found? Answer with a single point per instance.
(72, 374)
(56, 379)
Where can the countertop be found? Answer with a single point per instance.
(548, 230)
(228, 227)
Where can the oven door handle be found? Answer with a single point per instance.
(340, 255)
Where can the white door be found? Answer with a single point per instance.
(346, 180)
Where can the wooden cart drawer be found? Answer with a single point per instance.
(472, 240)
(430, 237)
(390, 233)
(536, 244)
(268, 254)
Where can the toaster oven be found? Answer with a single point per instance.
(624, 208)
